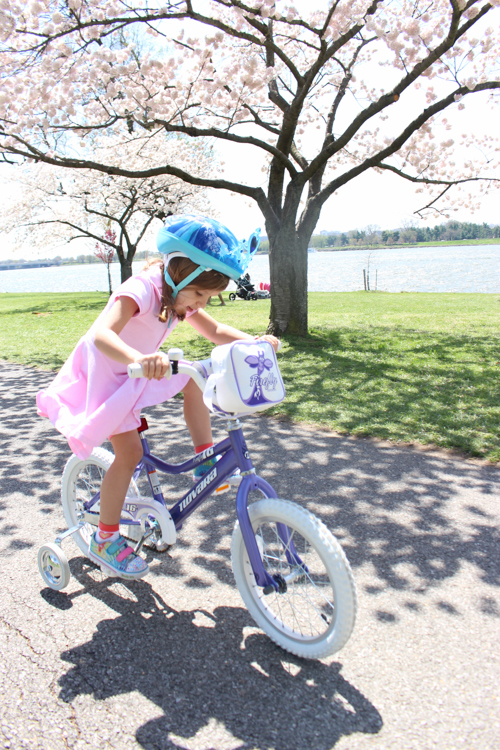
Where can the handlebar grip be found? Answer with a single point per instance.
(134, 370)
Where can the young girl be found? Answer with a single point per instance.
(92, 398)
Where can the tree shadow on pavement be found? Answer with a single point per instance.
(396, 508)
(389, 506)
(32, 457)
(412, 519)
(211, 674)
(437, 386)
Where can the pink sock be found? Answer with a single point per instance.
(107, 533)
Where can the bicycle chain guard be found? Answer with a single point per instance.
(140, 508)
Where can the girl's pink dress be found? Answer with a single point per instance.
(92, 398)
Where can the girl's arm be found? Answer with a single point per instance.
(220, 333)
(107, 340)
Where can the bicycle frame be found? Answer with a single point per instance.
(233, 454)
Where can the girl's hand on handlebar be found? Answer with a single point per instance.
(154, 365)
(275, 343)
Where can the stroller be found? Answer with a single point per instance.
(247, 291)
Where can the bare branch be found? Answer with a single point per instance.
(377, 159)
(419, 211)
(301, 160)
(225, 136)
(429, 181)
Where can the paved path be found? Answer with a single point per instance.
(175, 661)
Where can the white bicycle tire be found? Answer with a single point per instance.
(328, 587)
(81, 480)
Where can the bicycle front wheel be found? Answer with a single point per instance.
(313, 613)
(81, 481)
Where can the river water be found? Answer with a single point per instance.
(474, 268)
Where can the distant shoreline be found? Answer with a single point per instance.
(401, 245)
(409, 245)
(6, 266)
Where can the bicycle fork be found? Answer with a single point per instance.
(251, 481)
(262, 577)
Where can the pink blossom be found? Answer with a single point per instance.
(226, 80)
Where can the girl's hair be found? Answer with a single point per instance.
(178, 269)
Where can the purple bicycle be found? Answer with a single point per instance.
(291, 572)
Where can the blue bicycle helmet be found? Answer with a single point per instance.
(206, 242)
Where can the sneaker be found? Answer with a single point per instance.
(201, 470)
(117, 558)
(232, 481)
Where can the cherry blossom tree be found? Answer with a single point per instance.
(55, 206)
(321, 97)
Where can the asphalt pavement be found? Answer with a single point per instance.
(175, 660)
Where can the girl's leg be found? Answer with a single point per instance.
(197, 418)
(128, 452)
(196, 415)
(107, 547)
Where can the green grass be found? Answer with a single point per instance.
(42, 329)
(403, 367)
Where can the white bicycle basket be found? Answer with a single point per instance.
(245, 378)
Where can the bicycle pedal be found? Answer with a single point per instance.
(233, 481)
(135, 534)
(162, 548)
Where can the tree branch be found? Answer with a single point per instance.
(428, 181)
(27, 151)
(376, 159)
(214, 133)
(387, 99)
(84, 232)
(418, 212)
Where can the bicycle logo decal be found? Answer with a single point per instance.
(199, 487)
(257, 381)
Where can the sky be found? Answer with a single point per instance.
(382, 200)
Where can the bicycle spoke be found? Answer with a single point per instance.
(307, 607)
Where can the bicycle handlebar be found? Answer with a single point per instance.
(134, 370)
(186, 369)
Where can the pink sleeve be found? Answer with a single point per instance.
(142, 290)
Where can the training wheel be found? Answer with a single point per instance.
(53, 566)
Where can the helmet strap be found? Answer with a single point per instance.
(177, 287)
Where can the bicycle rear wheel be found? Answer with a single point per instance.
(81, 481)
(313, 614)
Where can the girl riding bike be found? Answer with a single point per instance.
(92, 399)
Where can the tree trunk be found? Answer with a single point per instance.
(109, 280)
(126, 269)
(288, 266)
(126, 259)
